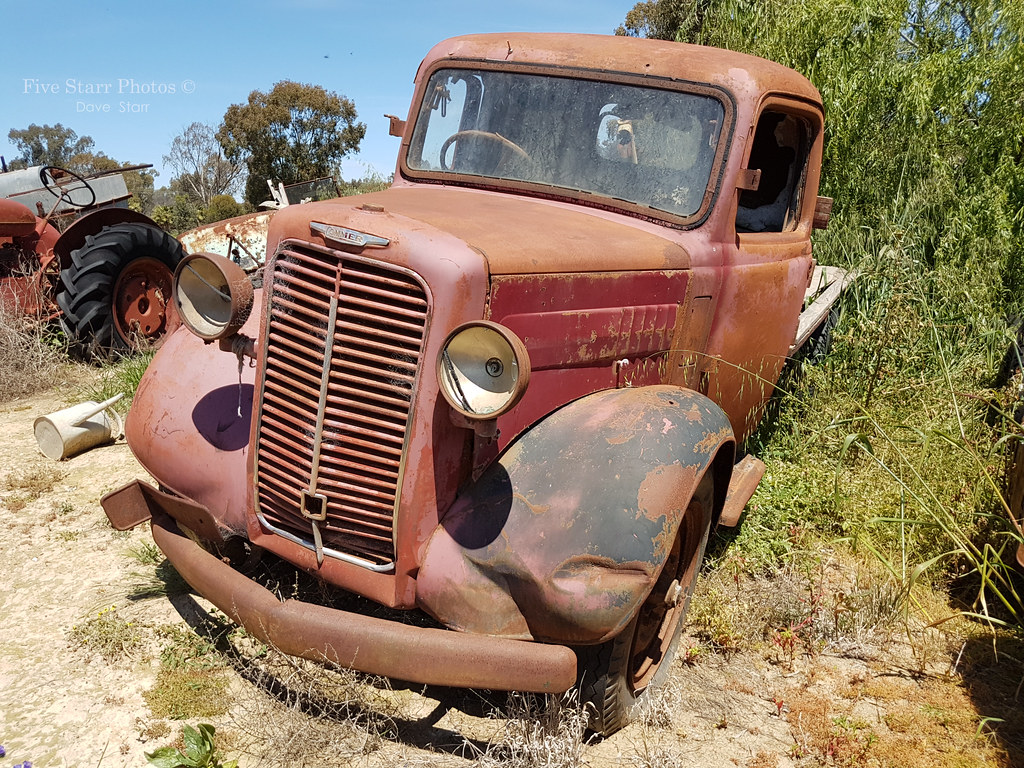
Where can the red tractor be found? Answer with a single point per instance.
(106, 276)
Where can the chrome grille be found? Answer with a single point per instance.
(351, 455)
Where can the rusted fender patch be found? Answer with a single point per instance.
(563, 537)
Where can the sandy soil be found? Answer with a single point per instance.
(62, 704)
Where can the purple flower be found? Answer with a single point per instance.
(3, 752)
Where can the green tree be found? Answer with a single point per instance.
(666, 19)
(292, 133)
(48, 145)
(199, 164)
(222, 207)
(177, 215)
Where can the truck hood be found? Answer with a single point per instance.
(517, 235)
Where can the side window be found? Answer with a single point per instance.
(780, 149)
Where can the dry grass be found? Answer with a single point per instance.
(109, 635)
(34, 481)
(187, 692)
(28, 484)
(28, 361)
(299, 713)
(891, 720)
(538, 732)
(829, 601)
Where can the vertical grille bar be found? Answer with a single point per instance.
(362, 388)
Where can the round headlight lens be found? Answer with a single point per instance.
(213, 295)
(483, 369)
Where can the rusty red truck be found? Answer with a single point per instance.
(509, 391)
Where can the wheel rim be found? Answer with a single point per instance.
(664, 609)
(141, 301)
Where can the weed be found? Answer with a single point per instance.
(150, 730)
(690, 655)
(764, 760)
(200, 751)
(538, 732)
(122, 378)
(109, 635)
(63, 508)
(33, 482)
(305, 710)
(780, 706)
(15, 503)
(192, 681)
(187, 692)
(658, 706)
(145, 553)
(66, 535)
(187, 649)
(164, 581)
(646, 755)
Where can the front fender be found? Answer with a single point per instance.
(563, 537)
(190, 424)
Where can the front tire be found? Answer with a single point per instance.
(116, 293)
(615, 675)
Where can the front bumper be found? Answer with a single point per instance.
(368, 644)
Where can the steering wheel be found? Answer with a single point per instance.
(507, 144)
(54, 184)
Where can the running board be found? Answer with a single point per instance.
(745, 477)
(827, 285)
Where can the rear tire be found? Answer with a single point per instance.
(116, 293)
(615, 675)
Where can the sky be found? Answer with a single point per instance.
(133, 75)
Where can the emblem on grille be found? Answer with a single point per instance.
(349, 237)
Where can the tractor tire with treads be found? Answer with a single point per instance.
(116, 293)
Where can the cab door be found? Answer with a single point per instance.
(767, 260)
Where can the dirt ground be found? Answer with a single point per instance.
(878, 701)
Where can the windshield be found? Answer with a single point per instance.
(649, 147)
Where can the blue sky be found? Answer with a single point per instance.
(132, 75)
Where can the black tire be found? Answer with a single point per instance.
(102, 267)
(615, 675)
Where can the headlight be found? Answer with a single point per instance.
(483, 369)
(213, 295)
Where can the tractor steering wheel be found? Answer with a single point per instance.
(55, 185)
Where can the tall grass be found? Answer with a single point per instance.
(898, 444)
(29, 359)
(120, 378)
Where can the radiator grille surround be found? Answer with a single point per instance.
(333, 424)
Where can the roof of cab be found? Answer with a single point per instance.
(738, 73)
